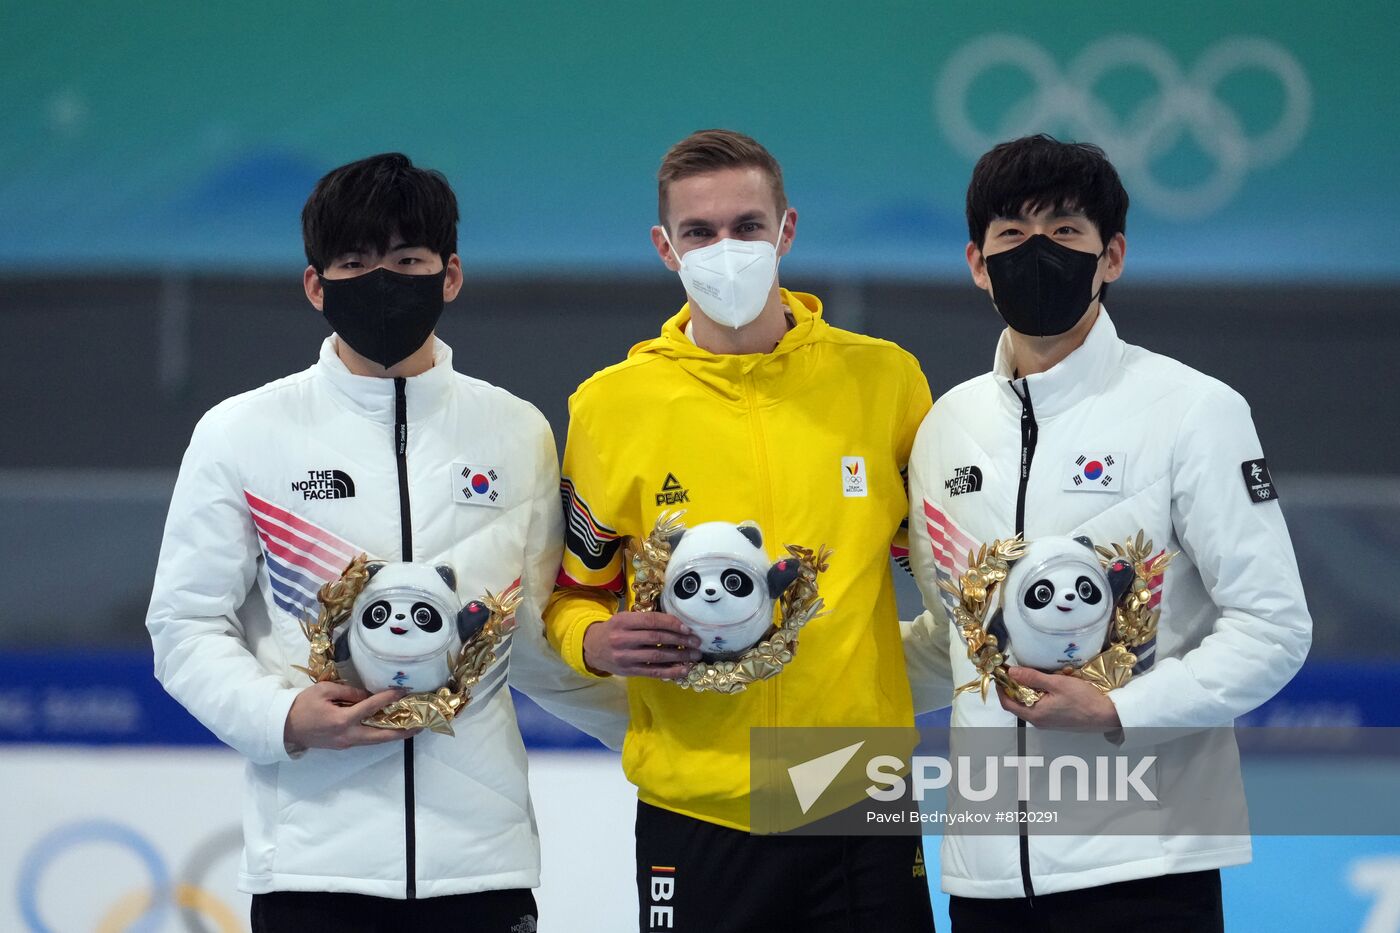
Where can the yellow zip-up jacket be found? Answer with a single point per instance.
(811, 441)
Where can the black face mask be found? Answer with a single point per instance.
(384, 316)
(1042, 288)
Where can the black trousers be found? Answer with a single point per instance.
(1185, 903)
(693, 875)
(510, 911)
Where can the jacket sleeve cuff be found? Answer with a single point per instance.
(275, 747)
(1164, 698)
(572, 648)
(1130, 715)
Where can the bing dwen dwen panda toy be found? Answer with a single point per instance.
(1057, 604)
(720, 582)
(407, 626)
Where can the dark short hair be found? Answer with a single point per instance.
(361, 205)
(711, 150)
(1038, 172)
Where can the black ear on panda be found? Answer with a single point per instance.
(374, 567)
(341, 654)
(674, 538)
(781, 575)
(750, 530)
(1120, 579)
(1084, 540)
(472, 619)
(996, 627)
(449, 576)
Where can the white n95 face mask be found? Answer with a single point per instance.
(730, 280)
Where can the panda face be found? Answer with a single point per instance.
(1041, 593)
(732, 582)
(1063, 599)
(716, 594)
(425, 617)
(717, 584)
(403, 625)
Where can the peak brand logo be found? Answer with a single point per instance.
(672, 491)
(325, 484)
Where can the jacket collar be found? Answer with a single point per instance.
(1082, 374)
(372, 397)
(771, 375)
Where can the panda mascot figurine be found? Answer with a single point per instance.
(1057, 604)
(720, 583)
(407, 627)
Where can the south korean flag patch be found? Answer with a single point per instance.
(473, 484)
(1096, 472)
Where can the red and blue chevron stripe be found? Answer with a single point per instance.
(300, 556)
(950, 546)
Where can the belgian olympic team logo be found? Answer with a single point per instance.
(143, 910)
(1182, 104)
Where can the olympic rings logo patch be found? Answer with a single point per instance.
(144, 910)
(1183, 104)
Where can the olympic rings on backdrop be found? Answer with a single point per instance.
(122, 915)
(143, 910)
(191, 876)
(1182, 103)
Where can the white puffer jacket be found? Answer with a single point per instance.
(1118, 440)
(279, 489)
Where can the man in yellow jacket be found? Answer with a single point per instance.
(748, 406)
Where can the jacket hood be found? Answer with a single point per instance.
(771, 374)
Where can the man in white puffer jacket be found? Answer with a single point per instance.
(380, 448)
(1076, 432)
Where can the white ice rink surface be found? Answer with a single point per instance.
(586, 810)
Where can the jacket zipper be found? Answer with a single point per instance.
(406, 554)
(1029, 433)
(761, 458)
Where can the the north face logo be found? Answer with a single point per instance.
(325, 484)
(964, 479)
(672, 493)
